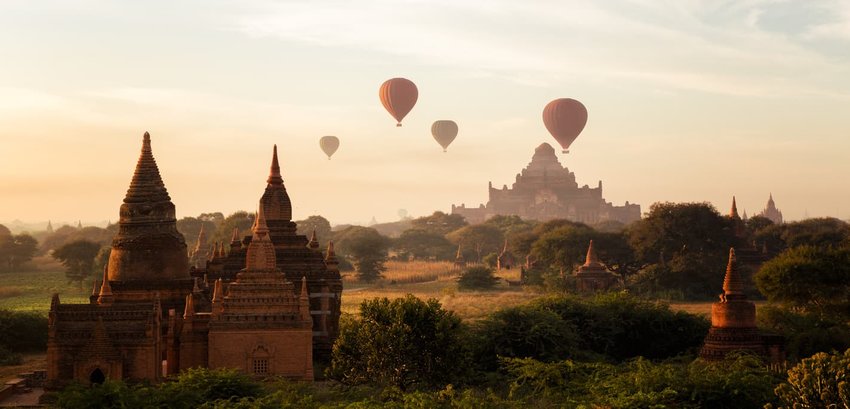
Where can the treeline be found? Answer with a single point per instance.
(612, 351)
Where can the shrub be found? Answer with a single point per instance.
(401, 343)
(477, 278)
(8, 357)
(23, 331)
(805, 333)
(820, 381)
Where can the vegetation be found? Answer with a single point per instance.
(477, 278)
(317, 224)
(15, 250)
(78, 257)
(20, 332)
(367, 249)
(400, 343)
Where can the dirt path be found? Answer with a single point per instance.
(31, 363)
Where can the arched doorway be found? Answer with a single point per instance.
(97, 377)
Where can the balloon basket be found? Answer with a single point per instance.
(398, 125)
(565, 151)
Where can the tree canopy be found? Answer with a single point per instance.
(78, 257)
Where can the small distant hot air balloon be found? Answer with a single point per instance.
(329, 145)
(444, 132)
(398, 95)
(565, 119)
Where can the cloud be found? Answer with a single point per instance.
(680, 45)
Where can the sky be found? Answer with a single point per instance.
(688, 101)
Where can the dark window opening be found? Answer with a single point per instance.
(97, 377)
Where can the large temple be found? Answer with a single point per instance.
(546, 190)
(771, 212)
(271, 314)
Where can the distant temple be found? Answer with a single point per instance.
(733, 323)
(547, 190)
(592, 275)
(149, 317)
(771, 212)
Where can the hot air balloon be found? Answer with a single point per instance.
(398, 95)
(444, 132)
(565, 118)
(329, 145)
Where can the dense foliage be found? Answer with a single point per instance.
(78, 257)
(820, 381)
(813, 278)
(15, 250)
(401, 343)
(477, 278)
(21, 332)
(366, 248)
(610, 327)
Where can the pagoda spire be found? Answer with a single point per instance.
(274, 172)
(313, 244)
(591, 260)
(261, 254)
(147, 184)
(218, 298)
(733, 283)
(330, 259)
(105, 297)
(733, 214)
(189, 311)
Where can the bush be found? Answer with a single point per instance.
(8, 357)
(23, 331)
(608, 327)
(401, 343)
(805, 333)
(820, 381)
(477, 278)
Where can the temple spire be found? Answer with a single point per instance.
(733, 214)
(189, 312)
(733, 283)
(330, 259)
(146, 185)
(261, 254)
(591, 259)
(304, 301)
(105, 296)
(274, 173)
(313, 244)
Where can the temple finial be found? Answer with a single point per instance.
(313, 244)
(734, 212)
(274, 173)
(189, 311)
(105, 296)
(733, 283)
(591, 258)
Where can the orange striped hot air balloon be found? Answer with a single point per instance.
(398, 95)
(565, 119)
(444, 132)
(329, 145)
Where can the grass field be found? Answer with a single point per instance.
(31, 290)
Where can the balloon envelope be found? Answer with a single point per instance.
(329, 145)
(398, 95)
(444, 132)
(565, 119)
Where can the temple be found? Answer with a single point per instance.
(771, 212)
(733, 323)
(546, 190)
(149, 317)
(592, 276)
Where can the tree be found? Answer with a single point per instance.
(16, 250)
(810, 278)
(820, 381)
(319, 224)
(477, 278)
(439, 222)
(367, 249)
(4, 231)
(423, 244)
(78, 259)
(401, 343)
(478, 240)
(673, 228)
(190, 227)
(240, 219)
(821, 232)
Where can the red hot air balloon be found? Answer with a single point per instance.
(565, 119)
(398, 95)
(329, 145)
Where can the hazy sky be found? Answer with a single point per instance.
(688, 101)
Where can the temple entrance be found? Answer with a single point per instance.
(97, 377)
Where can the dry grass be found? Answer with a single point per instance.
(401, 279)
(700, 307)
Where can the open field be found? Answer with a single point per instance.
(31, 290)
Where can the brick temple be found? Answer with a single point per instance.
(547, 190)
(271, 314)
